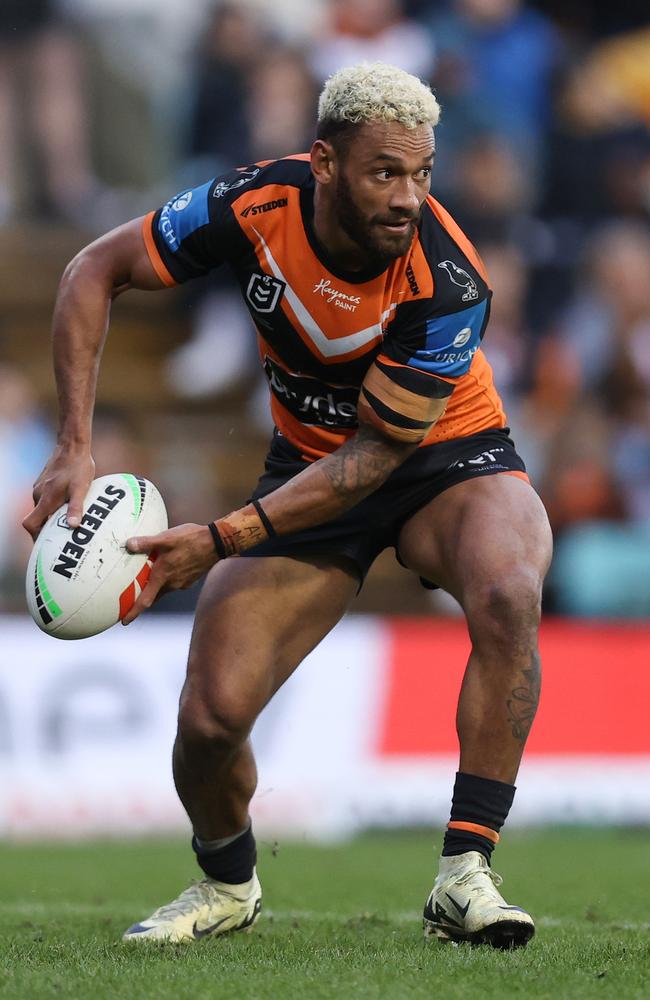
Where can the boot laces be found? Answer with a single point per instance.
(468, 876)
(198, 894)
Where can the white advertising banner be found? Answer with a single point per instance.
(362, 735)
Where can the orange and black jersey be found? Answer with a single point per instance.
(331, 341)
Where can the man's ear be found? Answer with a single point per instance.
(323, 161)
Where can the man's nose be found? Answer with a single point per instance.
(405, 197)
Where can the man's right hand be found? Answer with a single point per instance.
(67, 476)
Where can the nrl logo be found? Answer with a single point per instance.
(263, 292)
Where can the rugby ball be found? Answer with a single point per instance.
(82, 580)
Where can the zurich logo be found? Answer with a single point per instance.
(182, 201)
(461, 338)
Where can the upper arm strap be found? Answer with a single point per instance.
(401, 402)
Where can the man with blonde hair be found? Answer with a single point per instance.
(370, 305)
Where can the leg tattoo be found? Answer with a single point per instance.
(522, 706)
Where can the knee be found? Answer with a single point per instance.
(219, 724)
(505, 609)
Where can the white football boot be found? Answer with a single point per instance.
(207, 908)
(464, 905)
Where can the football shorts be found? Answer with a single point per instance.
(362, 532)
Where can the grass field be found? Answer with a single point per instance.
(339, 922)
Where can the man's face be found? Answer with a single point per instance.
(383, 177)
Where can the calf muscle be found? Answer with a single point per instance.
(488, 543)
(256, 621)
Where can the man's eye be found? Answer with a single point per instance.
(425, 172)
(384, 175)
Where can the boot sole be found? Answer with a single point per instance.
(504, 934)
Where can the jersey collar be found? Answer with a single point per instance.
(307, 210)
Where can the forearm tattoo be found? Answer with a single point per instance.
(522, 706)
(320, 492)
(362, 464)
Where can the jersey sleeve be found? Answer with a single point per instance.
(423, 357)
(196, 230)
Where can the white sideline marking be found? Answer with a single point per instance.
(39, 909)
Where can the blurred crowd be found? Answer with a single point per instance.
(106, 109)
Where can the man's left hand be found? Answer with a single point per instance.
(183, 554)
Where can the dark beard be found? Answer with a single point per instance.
(380, 252)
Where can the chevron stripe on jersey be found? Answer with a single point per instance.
(409, 334)
(339, 347)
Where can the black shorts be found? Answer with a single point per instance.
(374, 524)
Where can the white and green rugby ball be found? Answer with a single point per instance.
(82, 580)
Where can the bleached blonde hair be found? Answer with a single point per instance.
(376, 92)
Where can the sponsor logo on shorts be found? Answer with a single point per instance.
(311, 401)
(267, 206)
(486, 460)
(264, 292)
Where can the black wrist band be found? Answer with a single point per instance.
(218, 540)
(270, 530)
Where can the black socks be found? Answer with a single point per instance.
(232, 863)
(479, 808)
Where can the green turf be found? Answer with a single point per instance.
(339, 922)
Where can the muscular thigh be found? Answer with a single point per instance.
(476, 531)
(256, 620)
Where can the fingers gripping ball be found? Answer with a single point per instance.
(82, 580)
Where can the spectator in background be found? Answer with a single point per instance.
(508, 346)
(579, 484)
(45, 164)
(492, 195)
(598, 461)
(605, 331)
(277, 107)
(280, 107)
(371, 31)
(600, 146)
(231, 46)
(495, 63)
(220, 138)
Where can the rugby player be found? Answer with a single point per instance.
(370, 305)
